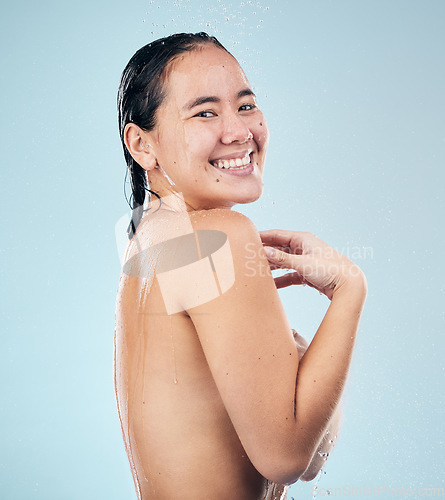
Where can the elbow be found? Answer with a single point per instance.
(309, 475)
(283, 470)
(282, 460)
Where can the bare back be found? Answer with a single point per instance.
(179, 438)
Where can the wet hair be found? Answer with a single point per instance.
(141, 92)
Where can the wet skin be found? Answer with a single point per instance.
(210, 113)
(179, 437)
(209, 398)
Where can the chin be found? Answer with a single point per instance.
(245, 198)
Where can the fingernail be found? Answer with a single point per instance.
(269, 251)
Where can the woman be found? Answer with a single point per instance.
(215, 397)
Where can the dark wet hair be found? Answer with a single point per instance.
(141, 92)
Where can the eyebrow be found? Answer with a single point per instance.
(210, 98)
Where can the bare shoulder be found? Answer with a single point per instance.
(223, 219)
(240, 231)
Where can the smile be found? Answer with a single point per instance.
(233, 163)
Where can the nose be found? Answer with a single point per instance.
(235, 130)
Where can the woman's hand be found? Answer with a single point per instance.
(301, 344)
(314, 262)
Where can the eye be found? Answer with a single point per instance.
(247, 107)
(205, 114)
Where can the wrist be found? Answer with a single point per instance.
(354, 285)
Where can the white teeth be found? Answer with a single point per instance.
(233, 163)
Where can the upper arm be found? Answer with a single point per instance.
(249, 346)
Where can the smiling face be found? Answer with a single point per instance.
(210, 138)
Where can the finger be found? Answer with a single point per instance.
(288, 280)
(281, 259)
(288, 239)
(271, 261)
(276, 237)
(301, 344)
(301, 341)
(281, 247)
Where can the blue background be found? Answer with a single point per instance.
(354, 96)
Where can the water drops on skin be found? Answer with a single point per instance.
(175, 376)
(315, 488)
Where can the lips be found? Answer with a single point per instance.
(240, 166)
(238, 163)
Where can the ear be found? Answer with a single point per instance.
(138, 146)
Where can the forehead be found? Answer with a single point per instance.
(205, 71)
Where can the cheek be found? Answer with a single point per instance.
(177, 145)
(199, 141)
(261, 132)
(262, 135)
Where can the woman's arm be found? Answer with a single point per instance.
(331, 432)
(279, 407)
(325, 447)
(326, 270)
